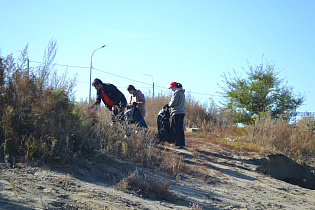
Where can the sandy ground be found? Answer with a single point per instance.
(232, 181)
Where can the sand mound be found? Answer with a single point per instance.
(281, 167)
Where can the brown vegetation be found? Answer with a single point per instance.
(294, 140)
(157, 189)
(40, 121)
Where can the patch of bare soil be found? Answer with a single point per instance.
(219, 179)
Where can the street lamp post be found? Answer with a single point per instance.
(91, 72)
(152, 83)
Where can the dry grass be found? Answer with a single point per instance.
(266, 135)
(61, 179)
(229, 139)
(40, 120)
(38, 117)
(153, 107)
(133, 144)
(153, 188)
(195, 206)
(278, 135)
(14, 186)
(206, 116)
(122, 140)
(173, 163)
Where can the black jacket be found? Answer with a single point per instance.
(114, 95)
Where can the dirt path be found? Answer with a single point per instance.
(238, 184)
(231, 181)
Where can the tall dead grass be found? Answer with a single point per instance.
(122, 140)
(38, 117)
(295, 140)
(131, 143)
(153, 188)
(154, 105)
(206, 116)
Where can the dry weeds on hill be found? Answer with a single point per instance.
(214, 177)
(58, 154)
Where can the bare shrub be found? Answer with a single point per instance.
(154, 105)
(172, 163)
(307, 124)
(47, 74)
(38, 118)
(122, 140)
(194, 206)
(207, 116)
(278, 134)
(196, 113)
(157, 189)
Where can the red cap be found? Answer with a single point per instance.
(172, 85)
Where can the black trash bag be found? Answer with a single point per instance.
(163, 122)
(133, 115)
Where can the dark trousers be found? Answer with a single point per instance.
(177, 129)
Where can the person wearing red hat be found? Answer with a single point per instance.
(177, 111)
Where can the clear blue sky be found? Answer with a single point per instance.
(192, 42)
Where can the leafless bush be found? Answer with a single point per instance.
(122, 140)
(154, 105)
(38, 118)
(209, 117)
(278, 134)
(172, 163)
(157, 189)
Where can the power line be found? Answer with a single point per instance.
(82, 67)
(206, 94)
(157, 86)
(121, 76)
(82, 82)
(129, 78)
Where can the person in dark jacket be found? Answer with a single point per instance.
(177, 111)
(113, 99)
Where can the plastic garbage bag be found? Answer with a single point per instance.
(163, 123)
(133, 115)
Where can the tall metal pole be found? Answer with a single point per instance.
(91, 72)
(152, 83)
(153, 91)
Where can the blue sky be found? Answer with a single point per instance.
(191, 42)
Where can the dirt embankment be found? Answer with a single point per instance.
(230, 180)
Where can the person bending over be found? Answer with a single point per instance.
(113, 99)
(136, 106)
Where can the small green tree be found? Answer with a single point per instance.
(260, 92)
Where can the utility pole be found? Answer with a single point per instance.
(91, 72)
(153, 91)
(152, 83)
